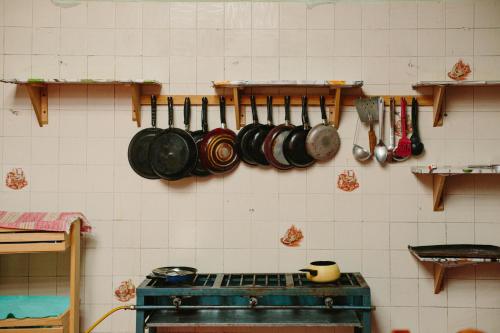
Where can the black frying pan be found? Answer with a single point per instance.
(259, 135)
(138, 149)
(199, 169)
(294, 146)
(243, 139)
(173, 153)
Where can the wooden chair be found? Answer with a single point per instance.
(28, 241)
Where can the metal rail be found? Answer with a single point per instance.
(238, 307)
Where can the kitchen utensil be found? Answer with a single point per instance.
(323, 141)
(404, 145)
(392, 143)
(173, 152)
(380, 149)
(218, 147)
(199, 169)
(173, 274)
(294, 145)
(359, 153)
(417, 147)
(259, 135)
(322, 271)
(367, 108)
(138, 149)
(243, 139)
(372, 139)
(273, 144)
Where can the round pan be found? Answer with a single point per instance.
(199, 169)
(273, 144)
(323, 141)
(242, 139)
(218, 147)
(173, 153)
(259, 135)
(138, 149)
(294, 146)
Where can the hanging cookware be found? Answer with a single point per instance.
(417, 147)
(199, 169)
(243, 139)
(360, 154)
(173, 274)
(323, 140)
(273, 144)
(173, 153)
(381, 149)
(138, 149)
(259, 135)
(392, 142)
(218, 147)
(294, 146)
(404, 144)
(322, 271)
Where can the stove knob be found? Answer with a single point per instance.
(252, 301)
(177, 302)
(329, 302)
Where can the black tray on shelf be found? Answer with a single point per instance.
(457, 251)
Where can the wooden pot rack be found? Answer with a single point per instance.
(441, 174)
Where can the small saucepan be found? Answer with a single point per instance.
(322, 271)
(173, 274)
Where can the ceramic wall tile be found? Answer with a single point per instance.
(320, 16)
(461, 317)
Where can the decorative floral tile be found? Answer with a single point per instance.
(16, 179)
(347, 181)
(125, 291)
(293, 236)
(460, 71)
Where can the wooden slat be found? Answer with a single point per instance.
(439, 272)
(135, 90)
(19, 237)
(27, 322)
(438, 191)
(32, 247)
(57, 329)
(74, 278)
(438, 105)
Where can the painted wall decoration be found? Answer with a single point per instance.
(460, 71)
(16, 179)
(125, 291)
(293, 236)
(347, 181)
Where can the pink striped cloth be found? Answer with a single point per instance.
(46, 221)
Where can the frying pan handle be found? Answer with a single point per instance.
(269, 110)
(255, 117)
(153, 111)
(204, 110)
(287, 110)
(187, 113)
(305, 117)
(222, 102)
(323, 109)
(313, 272)
(170, 102)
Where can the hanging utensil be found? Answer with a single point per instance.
(367, 108)
(199, 169)
(372, 139)
(218, 147)
(294, 146)
(323, 140)
(380, 148)
(259, 135)
(404, 145)
(138, 149)
(392, 143)
(243, 138)
(359, 153)
(273, 144)
(173, 152)
(417, 147)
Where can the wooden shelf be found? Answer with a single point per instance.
(440, 175)
(37, 90)
(439, 89)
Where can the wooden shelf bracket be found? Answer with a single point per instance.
(438, 105)
(438, 182)
(135, 90)
(40, 101)
(335, 111)
(240, 116)
(439, 273)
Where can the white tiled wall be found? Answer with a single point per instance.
(233, 223)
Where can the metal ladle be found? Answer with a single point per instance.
(359, 153)
(380, 149)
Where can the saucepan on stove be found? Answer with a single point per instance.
(322, 271)
(173, 274)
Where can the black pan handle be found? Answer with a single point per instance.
(414, 117)
(170, 112)
(287, 110)
(269, 110)
(323, 109)
(255, 116)
(313, 272)
(222, 102)
(187, 113)
(153, 111)
(305, 117)
(204, 111)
